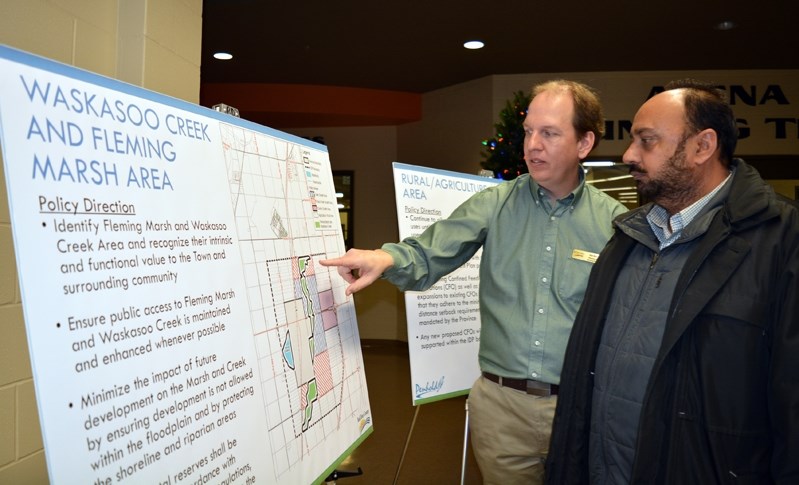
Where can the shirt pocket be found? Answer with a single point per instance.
(572, 278)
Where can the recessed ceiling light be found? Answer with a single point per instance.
(725, 25)
(223, 56)
(473, 44)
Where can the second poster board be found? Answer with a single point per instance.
(444, 321)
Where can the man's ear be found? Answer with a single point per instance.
(707, 143)
(585, 144)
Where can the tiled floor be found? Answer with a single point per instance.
(435, 450)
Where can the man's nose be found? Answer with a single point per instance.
(532, 141)
(629, 156)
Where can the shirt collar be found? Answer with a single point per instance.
(539, 195)
(668, 229)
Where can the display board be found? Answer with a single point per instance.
(179, 326)
(444, 321)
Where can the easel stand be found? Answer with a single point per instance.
(465, 442)
(408, 440)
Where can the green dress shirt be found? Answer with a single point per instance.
(533, 270)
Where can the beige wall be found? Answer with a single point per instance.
(785, 187)
(454, 122)
(150, 43)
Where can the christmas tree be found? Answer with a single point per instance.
(504, 153)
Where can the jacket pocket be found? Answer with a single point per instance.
(732, 353)
(741, 308)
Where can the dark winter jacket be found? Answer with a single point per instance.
(722, 402)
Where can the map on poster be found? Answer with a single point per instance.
(443, 321)
(308, 344)
(179, 326)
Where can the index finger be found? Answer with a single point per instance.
(332, 261)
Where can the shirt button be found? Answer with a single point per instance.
(552, 218)
(549, 248)
(534, 374)
(540, 310)
(538, 342)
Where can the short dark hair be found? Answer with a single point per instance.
(587, 108)
(706, 106)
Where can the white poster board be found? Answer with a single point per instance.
(444, 321)
(179, 328)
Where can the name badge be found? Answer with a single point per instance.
(581, 255)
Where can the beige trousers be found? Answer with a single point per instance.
(510, 433)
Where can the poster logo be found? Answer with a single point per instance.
(364, 421)
(434, 386)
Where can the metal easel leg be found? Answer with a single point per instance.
(465, 442)
(407, 441)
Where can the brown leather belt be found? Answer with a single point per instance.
(536, 388)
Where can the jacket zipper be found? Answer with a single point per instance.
(654, 260)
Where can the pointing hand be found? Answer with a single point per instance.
(360, 268)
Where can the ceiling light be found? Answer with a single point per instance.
(610, 179)
(223, 56)
(725, 25)
(473, 44)
(598, 163)
(614, 189)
